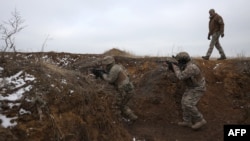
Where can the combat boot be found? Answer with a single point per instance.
(133, 117)
(130, 114)
(205, 57)
(185, 124)
(199, 124)
(222, 58)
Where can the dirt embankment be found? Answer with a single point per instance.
(58, 99)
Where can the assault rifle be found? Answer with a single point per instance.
(98, 72)
(172, 60)
(169, 64)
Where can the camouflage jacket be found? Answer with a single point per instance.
(117, 75)
(191, 75)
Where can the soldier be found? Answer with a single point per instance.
(190, 73)
(117, 75)
(216, 29)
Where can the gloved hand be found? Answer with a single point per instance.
(208, 36)
(174, 65)
(222, 35)
(172, 60)
(98, 72)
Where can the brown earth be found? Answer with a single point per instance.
(67, 103)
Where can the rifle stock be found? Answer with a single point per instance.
(98, 72)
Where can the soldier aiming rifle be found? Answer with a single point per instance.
(195, 83)
(117, 76)
(98, 72)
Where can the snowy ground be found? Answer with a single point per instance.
(18, 84)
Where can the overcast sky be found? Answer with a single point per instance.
(141, 27)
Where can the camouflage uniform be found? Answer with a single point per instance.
(215, 42)
(118, 76)
(195, 83)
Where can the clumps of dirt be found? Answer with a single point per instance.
(66, 102)
(63, 105)
(228, 88)
(159, 90)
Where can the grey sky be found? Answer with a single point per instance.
(142, 27)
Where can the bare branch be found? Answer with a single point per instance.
(8, 30)
(44, 43)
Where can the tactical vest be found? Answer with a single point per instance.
(122, 77)
(196, 80)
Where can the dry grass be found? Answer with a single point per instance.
(55, 68)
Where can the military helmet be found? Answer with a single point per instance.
(182, 56)
(108, 60)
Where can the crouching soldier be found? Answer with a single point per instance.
(117, 75)
(195, 88)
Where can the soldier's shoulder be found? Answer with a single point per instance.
(117, 67)
(219, 17)
(192, 65)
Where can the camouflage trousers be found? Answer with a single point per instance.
(189, 101)
(215, 42)
(125, 93)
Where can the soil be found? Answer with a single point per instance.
(66, 102)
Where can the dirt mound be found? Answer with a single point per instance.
(53, 96)
(60, 105)
(117, 52)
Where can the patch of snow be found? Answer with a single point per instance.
(64, 61)
(23, 111)
(45, 57)
(29, 77)
(14, 82)
(7, 122)
(29, 56)
(16, 95)
(2, 82)
(11, 105)
(216, 66)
